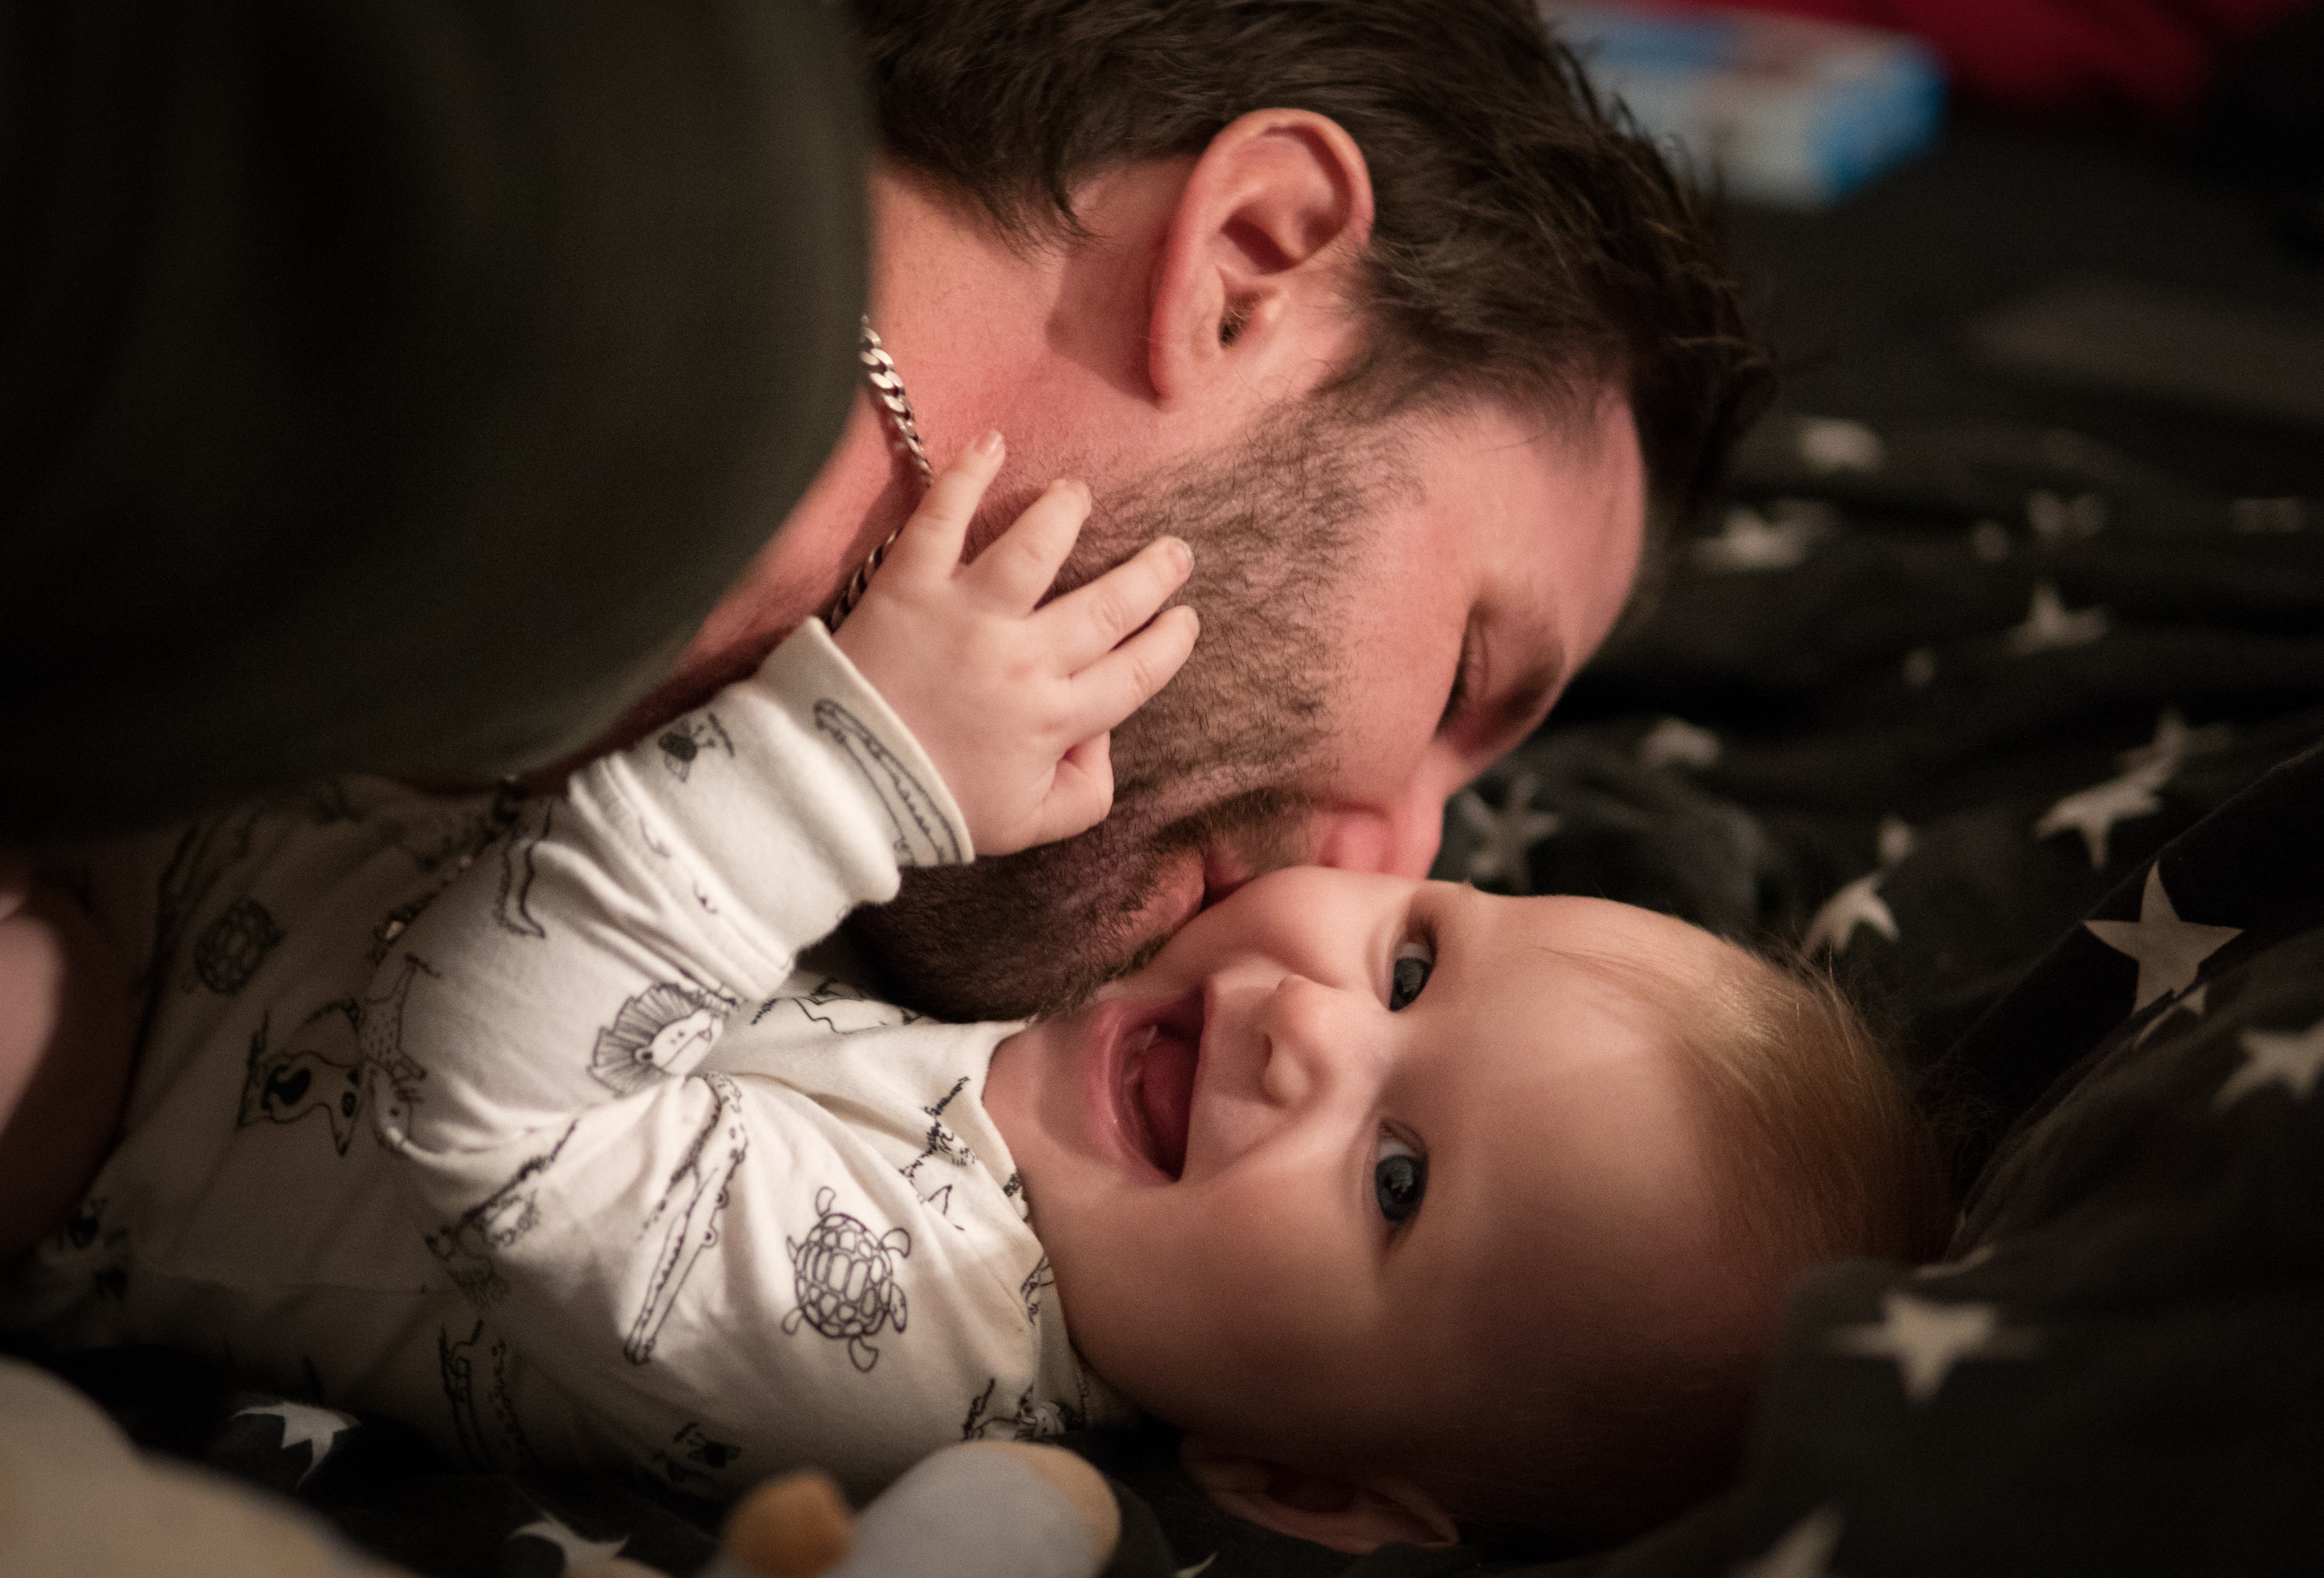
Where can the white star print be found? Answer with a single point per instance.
(1829, 444)
(1751, 541)
(1505, 836)
(2050, 625)
(2169, 950)
(1921, 667)
(305, 1424)
(1856, 904)
(1803, 1552)
(1989, 541)
(1674, 742)
(2058, 522)
(2174, 742)
(2093, 812)
(2291, 1058)
(578, 1552)
(1926, 1340)
(1895, 840)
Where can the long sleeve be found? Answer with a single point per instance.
(576, 1068)
(600, 947)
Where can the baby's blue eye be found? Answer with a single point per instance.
(1415, 963)
(1399, 1178)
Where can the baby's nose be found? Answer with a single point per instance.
(1312, 1041)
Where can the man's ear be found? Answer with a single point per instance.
(1254, 261)
(1355, 1515)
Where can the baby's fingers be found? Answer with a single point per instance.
(1090, 621)
(1017, 569)
(1127, 678)
(931, 539)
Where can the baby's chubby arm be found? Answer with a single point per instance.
(955, 713)
(1012, 699)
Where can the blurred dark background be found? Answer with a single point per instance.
(1878, 300)
(2120, 231)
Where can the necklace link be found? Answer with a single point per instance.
(887, 391)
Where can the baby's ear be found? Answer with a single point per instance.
(1352, 1515)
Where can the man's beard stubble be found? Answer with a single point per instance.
(1275, 523)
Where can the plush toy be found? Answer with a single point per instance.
(77, 1498)
(980, 1509)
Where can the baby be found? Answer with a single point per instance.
(1421, 1211)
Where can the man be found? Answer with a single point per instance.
(1368, 300)
(350, 466)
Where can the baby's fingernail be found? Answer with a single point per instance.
(1181, 553)
(988, 443)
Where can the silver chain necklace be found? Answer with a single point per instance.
(887, 390)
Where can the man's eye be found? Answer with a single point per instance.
(1467, 671)
(1415, 963)
(1399, 1178)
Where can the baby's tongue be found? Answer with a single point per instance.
(1165, 1095)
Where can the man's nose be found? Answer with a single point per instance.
(1313, 1041)
(1399, 840)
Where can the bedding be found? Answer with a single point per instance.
(1986, 717)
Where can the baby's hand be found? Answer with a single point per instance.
(1014, 702)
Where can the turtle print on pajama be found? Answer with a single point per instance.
(234, 946)
(846, 1280)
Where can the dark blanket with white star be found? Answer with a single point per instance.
(1987, 717)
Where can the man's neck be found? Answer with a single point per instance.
(1045, 341)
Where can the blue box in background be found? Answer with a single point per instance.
(1785, 109)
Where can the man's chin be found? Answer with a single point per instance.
(993, 941)
(1032, 935)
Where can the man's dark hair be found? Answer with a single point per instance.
(1528, 242)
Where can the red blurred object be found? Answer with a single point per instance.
(2154, 58)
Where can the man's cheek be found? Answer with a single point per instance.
(1399, 842)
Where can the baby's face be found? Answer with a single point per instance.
(1355, 1151)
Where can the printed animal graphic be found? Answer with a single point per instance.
(329, 1066)
(687, 739)
(687, 1213)
(839, 1008)
(693, 1454)
(433, 834)
(940, 1143)
(925, 836)
(447, 843)
(845, 1280)
(1033, 1418)
(466, 1247)
(1037, 1281)
(668, 1023)
(283, 1085)
(210, 872)
(106, 1250)
(474, 1375)
(513, 909)
(233, 946)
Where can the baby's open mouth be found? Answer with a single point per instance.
(1157, 1085)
